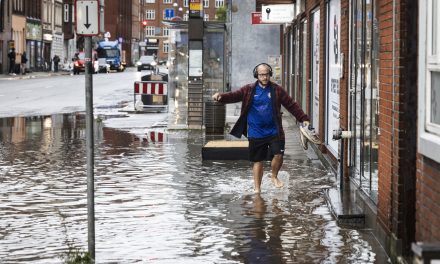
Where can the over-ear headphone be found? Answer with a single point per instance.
(256, 72)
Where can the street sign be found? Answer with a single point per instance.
(87, 17)
(169, 13)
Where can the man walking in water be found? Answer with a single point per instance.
(260, 121)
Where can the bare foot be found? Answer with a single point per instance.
(277, 182)
(257, 191)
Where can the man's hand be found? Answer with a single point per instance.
(306, 124)
(216, 97)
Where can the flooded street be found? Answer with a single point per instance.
(158, 202)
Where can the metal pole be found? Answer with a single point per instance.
(90, 148)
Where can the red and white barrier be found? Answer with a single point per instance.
(151, 87)
(155, 136)
(151, 90)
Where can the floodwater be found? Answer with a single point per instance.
(156, 201)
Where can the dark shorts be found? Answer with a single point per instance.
(265, 148)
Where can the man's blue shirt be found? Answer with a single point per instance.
(260, 117)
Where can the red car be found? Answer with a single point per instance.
(79, 62)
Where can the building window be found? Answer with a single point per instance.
(205, 3)
(167, 1)
(429, 80)
(166, 31)
(206, 17)
(166, 48)
(185, 17)
(150, 31)
(58, 14)
(150, 1)
(219, 3)
(150, 14)
(185, 3)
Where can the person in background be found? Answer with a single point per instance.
(260, 121)
(56, 61)
(11, 57)
(23, 63)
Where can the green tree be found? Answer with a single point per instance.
(221, 13)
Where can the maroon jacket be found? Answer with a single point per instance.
(279, 97)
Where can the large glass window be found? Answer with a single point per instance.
(303, 59)
(364, 98)
(429, 80)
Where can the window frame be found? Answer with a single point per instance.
(149, 29)
(150, 14)
(166, 47)
(205, 3)
(219, 3)
(429, 134)
(167, 1)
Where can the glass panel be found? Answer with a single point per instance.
(178, 72)
(434, 26)
(366, 184)
(303, 63)
(213, 63)
(435, 98)
(358, 85)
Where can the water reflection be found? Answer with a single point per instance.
(157, 202)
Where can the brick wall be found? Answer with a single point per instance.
(398, 109)
(428, 197)
(386, 157)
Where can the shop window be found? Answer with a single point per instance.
(364, 109)
(429, 81)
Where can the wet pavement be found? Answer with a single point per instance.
(158, 202)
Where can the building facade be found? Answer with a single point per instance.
(371, 68)
(5, 34)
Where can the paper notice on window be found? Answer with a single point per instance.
(195, 63)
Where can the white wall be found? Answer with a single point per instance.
(250, 44)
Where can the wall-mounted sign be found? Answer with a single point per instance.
(195, 8)
(278, 14)
(33, 31)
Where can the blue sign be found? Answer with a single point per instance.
(169, 13)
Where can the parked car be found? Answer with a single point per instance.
(146, 63)
(102, 66)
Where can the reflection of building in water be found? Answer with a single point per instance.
(43, 132)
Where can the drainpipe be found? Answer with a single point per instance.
(339, 134)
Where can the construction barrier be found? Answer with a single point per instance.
(154, 96)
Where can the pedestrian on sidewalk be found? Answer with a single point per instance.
(260, 121)
(23, 63)
(56, 61)
(11, 57)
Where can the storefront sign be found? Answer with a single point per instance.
(333, 73)
(195, 8)
(33, 31)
